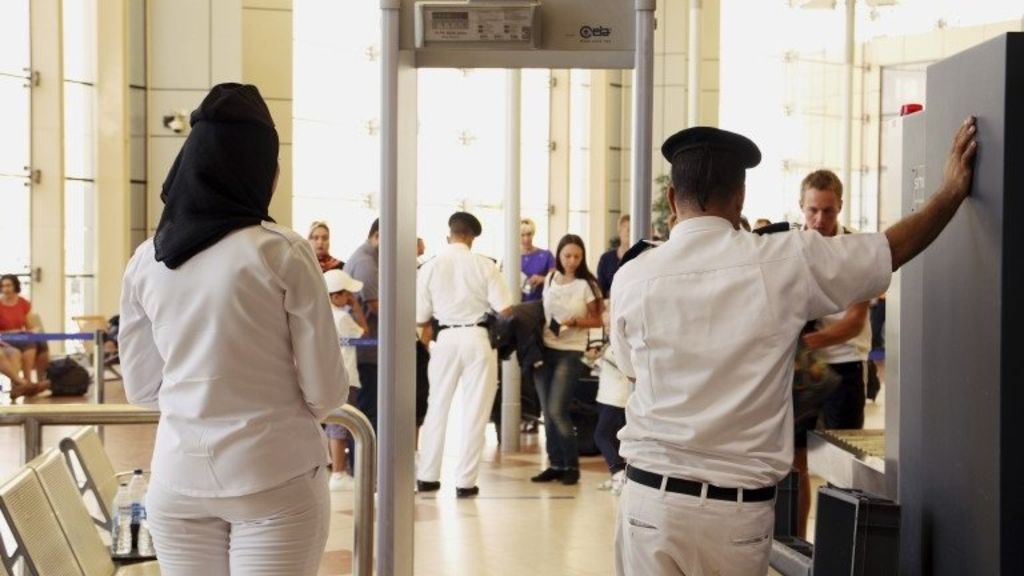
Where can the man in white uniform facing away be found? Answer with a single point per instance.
(458, 287)
(707, 325)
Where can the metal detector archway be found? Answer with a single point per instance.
(513, 34)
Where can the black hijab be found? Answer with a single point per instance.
(223, 177)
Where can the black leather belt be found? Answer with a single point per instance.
(477, 325)
(681, 486)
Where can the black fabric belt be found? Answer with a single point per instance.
(477, 325)
(681, 486)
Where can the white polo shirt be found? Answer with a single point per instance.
(459, 287)
(707, 324)
(855, 349)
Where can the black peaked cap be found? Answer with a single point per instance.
(469, 220)
(712, 138)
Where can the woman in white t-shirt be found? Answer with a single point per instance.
(572, 305)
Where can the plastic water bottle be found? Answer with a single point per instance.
(137, 496)
(121, 535)
(145, 539)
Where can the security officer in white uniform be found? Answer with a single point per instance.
(458, 287)
(707, 325)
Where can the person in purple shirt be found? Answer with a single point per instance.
(608, 265)
(536, 262)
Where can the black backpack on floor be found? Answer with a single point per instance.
(67, 378)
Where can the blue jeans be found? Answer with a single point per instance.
(556, 385)
(610, 420)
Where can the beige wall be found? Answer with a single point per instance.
(267, 63)
(190, 45)
(671, 46)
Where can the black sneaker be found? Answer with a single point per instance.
(550, 475)
(570, 476)
(425, 486)
(467, 492)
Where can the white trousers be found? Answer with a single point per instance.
(277, 532)
(460, 357)
(664, 533)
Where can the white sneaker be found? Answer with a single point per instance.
(341, 482)
(617, 481)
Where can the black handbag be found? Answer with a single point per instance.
(67, 378)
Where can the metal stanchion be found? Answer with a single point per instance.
(98, 368)
(32, 436)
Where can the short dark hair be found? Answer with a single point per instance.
(707, 175)
(374, 228)
(824, 180)
(14, 280)
(464, 224)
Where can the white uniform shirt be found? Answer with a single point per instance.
(238, 350)
(347, 327)
(707, 324)
(855, 349)
(561, 303)
(459, 287)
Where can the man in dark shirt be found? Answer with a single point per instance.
(608, 265)
(364, 266)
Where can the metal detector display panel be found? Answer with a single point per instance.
(972, 471)
(469, 26)
(563, 34)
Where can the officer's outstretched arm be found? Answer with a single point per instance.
(911, 235)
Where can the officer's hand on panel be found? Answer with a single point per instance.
(959, 168)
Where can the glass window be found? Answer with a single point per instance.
(14, 225)
(15, 138)
(79, 28)
(462, 135)
(579, 155)
(14, 37)
(80, 40)
(535, 151)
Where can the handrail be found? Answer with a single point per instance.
(33, 417)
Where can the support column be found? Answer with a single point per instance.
(643, 108)
(511, 381)
(396, 425)
(847, 111)
(48, 158)
(113, 216)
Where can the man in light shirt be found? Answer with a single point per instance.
(459, 288)
(842, 340)
(707, 325)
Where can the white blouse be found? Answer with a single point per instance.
(238, 350)
(561, 303)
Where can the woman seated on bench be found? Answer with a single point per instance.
(10, 366)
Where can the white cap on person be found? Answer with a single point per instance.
(338, 280)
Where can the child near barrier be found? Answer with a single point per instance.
(350, 323)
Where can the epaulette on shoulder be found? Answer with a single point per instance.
(638, 249)
(774, 228)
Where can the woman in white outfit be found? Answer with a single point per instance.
(227, 329)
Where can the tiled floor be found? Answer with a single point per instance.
(513, 527)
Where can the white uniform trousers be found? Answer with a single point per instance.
(460, 357)
(668, 534)
(277, 532)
